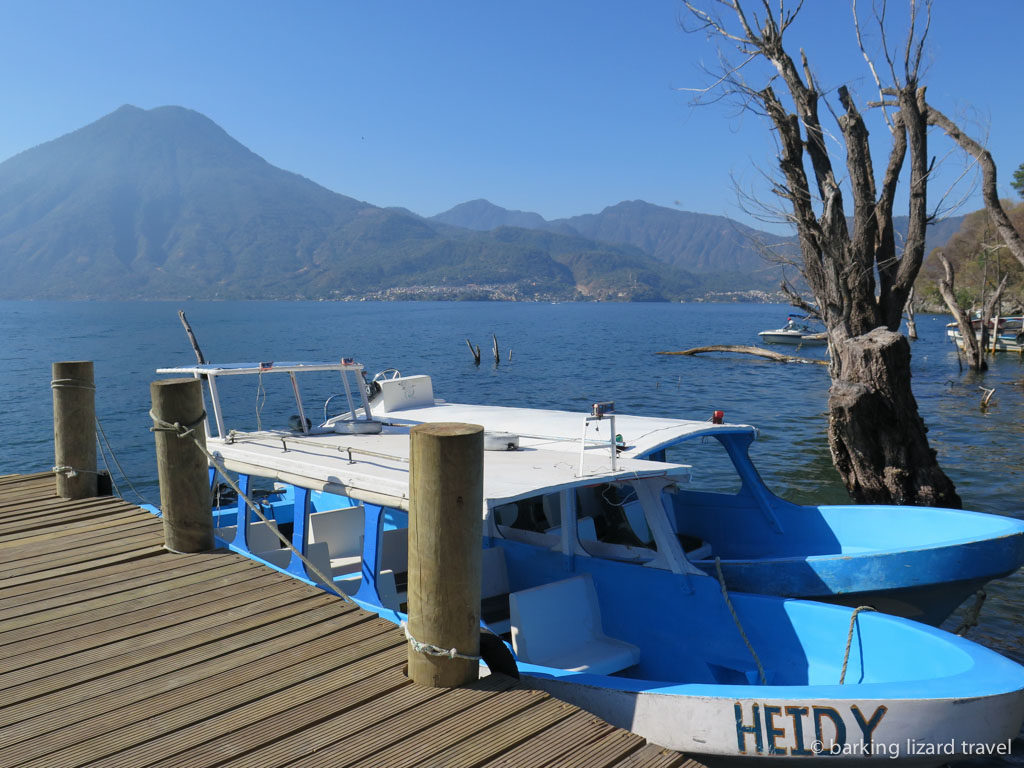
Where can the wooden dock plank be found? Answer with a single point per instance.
(107, 734)
(265, 721)
(568, 735)
(35, 577)
(161, 570)
(437, 736)
(193, 657)
(363, 729)
(605, 752)
(503, 735)
(111, 574)
(121, 654)
(131, 650)
(117, 612)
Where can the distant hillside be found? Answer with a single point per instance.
(699, 242)
(484, 216)
(725, 254)
(163, 203)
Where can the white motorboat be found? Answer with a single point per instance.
(798, 330)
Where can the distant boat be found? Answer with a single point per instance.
(1008, 335)
(797, 330)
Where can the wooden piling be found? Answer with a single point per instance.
(74, 429)
(182, 466)
(445, 529)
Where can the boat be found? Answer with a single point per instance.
(917, 562)
(797, 330)
(1008, 335)
(588, 581)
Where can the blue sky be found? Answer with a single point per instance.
(557, 106)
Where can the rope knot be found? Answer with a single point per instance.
(432, 650)
(181, 430)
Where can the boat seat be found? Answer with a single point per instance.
(393, 577)
(342, 531)
(316, 553)
(260, 536)
(394, 550)
(559, 625)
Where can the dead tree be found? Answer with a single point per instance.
(859, 280)
(974, 348)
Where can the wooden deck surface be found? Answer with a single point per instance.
(119, 653)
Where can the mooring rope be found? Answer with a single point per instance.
(69, 471)
(973, 613)
(71, 384)
(113, 457)
(849, 639)
(428, 649)
(736, 620)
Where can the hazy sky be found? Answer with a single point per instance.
(556, 106)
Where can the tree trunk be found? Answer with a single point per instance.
(877, 437)
(911, 316)
(972, 350)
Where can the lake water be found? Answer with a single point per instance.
(562, 356)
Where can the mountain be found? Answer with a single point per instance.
(721, 251)
(484, 216)
(163, 203)
(699, 242)
(724, 251)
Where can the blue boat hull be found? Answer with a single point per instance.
(926, 585)
(917, 562)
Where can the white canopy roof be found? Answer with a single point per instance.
(562, 430)
(375, 468)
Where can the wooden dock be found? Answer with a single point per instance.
(119, 653)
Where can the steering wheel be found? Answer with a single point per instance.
(386, 374)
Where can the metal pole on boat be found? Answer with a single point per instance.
(445, 530)
(74, 429)
(182, 465)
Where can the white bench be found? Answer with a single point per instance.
(316, 554)
(260, 537)
(394, 568)
(494, 606)
(342, 531)
(559, 625)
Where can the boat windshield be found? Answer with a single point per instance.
(713, 470)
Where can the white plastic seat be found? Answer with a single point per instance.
(260, 537)
(316, 553)
(342, 531)
(559, 625)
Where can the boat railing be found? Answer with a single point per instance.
(352, 391)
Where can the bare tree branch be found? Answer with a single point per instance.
(989, 193)
(871, 66)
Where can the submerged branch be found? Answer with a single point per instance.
(747, 350)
